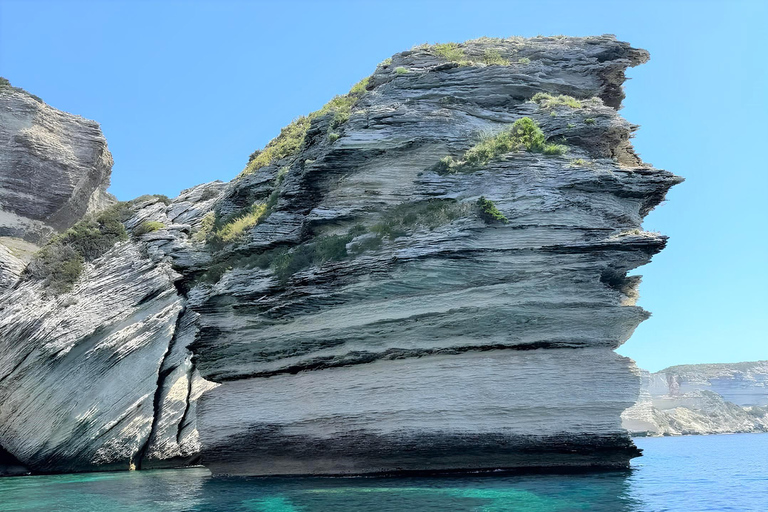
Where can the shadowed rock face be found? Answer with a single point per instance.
(374, 320)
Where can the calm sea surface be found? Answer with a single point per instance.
(683, 473)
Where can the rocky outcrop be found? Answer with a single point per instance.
(432, 341)
(701, 399)
(99, 377)
(54, 167)
(428, 274)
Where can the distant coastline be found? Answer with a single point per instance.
(700, 400)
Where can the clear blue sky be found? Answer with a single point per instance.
(185, 91)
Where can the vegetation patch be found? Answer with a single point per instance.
(524, 134)
(5, 86)
(589, 120)
(451, 52)
(546, 100)
(60, 262)
(288, 143)
(430, 214)
(396, 222)
(580, 162)
(220, 230)
(493, 58)
(524, 60)
(291, 138)
(400, 70)
(488, 211)
(148, 226)
(206, 227)
(236, 227)
(554, 149)
(151, 197)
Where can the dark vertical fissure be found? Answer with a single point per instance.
(183, 420)
(161, 375)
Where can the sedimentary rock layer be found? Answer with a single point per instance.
(476, 410)
(425, 346)
(358, 302)
(99, 377)
(55, 166)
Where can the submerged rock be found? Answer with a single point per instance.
(428, 274)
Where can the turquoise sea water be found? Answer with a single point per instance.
(716, 473)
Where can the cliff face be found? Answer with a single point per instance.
(701, 399)
(437, 340)
(54, 167)
(427, 274)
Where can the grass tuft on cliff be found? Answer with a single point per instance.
(291, 138)
(493, 58)
(524, 134)
(288, 143)
(60, 262)
(237, 226)
(148, 226)
(547, 100)
(450, 51)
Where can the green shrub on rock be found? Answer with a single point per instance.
(291, 138)
(60, 262)
(547, 100)
(488, 211)
(493, 57)
(524, 134)
(554, 149)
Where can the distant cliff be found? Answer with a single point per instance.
(702, 399)
(427, 274)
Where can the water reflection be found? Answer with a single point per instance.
(597, 492)
(676, 474)
(194, 490)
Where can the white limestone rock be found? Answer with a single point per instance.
(54, 167)
(78, 372)
(721, 398)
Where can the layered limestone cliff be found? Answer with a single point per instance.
(428, 274)
(54, 167)
(701, 399)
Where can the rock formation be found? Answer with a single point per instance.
(701, 399)
(54, 167)
(427, 274)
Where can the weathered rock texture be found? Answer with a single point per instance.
(459, 344)
(54, 167)
(701, 399)
(374, 319)
(100, 377)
